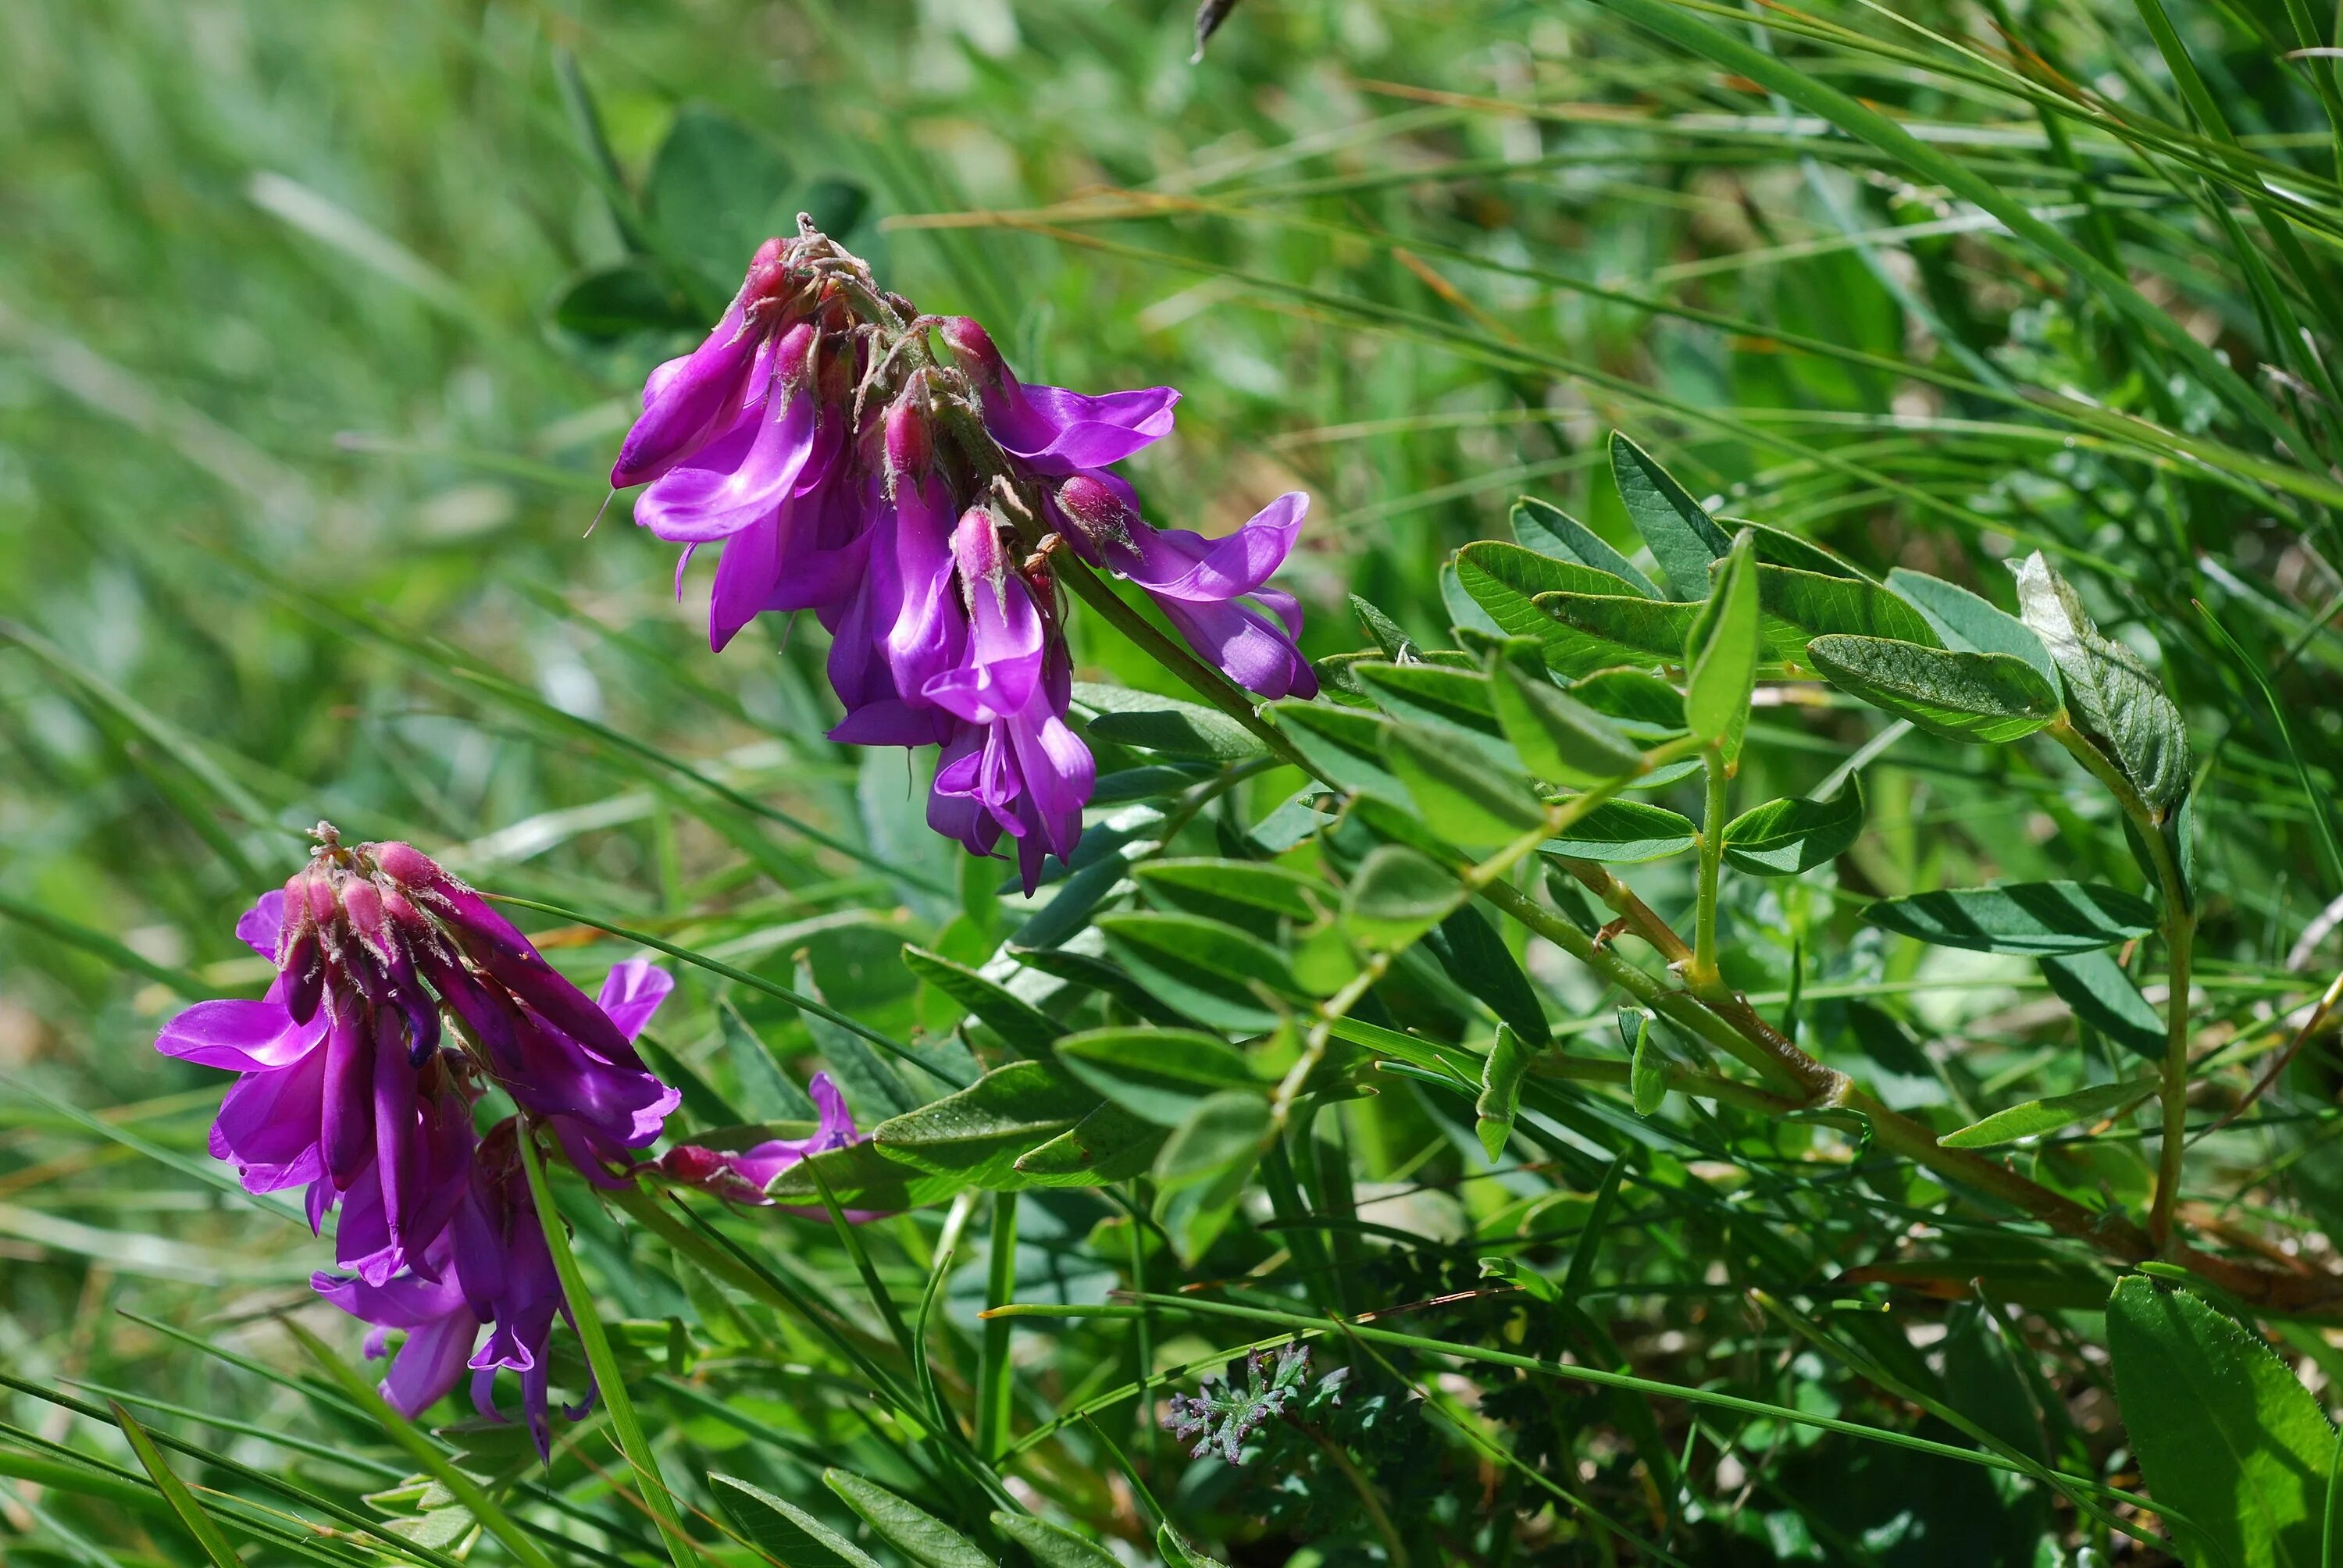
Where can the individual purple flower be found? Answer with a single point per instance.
(742, 1178)
(1049, 429)
(1013, 767)
(694, 401)
(347, 1083)
(1200, 584)
(492, 1269)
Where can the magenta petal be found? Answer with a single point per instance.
(1057, 430)
(431, 1362)
(1176, 564)
(632, 993)
(1256, 652)
(239, 1036)
(258, 927)
(688, 400)
(267, 1125)
(736, 479)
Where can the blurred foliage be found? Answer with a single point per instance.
(318, 324)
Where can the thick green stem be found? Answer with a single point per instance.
(1703, 976)
(992, 1369)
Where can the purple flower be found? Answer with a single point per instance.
(350, 1086)
(1200, 584)
(742, 1178)
(1047, 428)
(490, 1268)
(762, 441)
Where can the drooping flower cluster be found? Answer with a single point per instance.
(843, 466)
(351, 1086)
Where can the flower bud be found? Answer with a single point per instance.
(911, 435)
(971, 345)
(1097, 514)
(793, 357)
(976, 549)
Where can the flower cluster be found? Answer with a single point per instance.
(351, 1086)
(909, 500)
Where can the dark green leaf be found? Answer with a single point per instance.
(1381, 630)
(1051, 1545)
(1989, 696)
(918, 1534)
(1682, 537)
(1345, 747)
(1477, 959)
(1165, 725)
(781, 1527)
(2036, 1117)
(1156, 1073)
(1253, 882)
(2103, 995)
(2114, 699)
(1396, 895)
(2222, 1430)
(1722, 651)
(1225, 1131)
(1208, 971)
(609, 303)
(1024, 1026)
(2030, 917)
(1968, 624)
(765, 1091)
(1109, 1145)
(1456, 700)
(1558, 739)
(977, 1133)
(1654, 628)
(1547, 530)
(1787, 838)
(1780, 548)
(1461, 795)
(1816, 604)
(1647, 1075)
(717, 190)
(1506, 581)
(1624, 832)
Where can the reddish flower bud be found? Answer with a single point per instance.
(911, 435)
(976, 549)
(1097, 513)
(971, 345)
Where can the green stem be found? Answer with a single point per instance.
(1703, 976)
(632, 1440)
(993, 1368)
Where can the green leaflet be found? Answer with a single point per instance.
(1396, 895)
(1053, 1545)
(1381, 630)
(1110, 1144)
(1789, 838)
(1506, 581)
(1459, 794)
(1547, 528)
(1206, 970)
(1989, 696)
(1721, 653)
(1166, 725)
(1624, 626)
(1817, 604)
(1558, 738)
(1159, 1074)
(1024, 1026)
(1647, 1072)
(1253, 883)
(2223, 1432)
(2030, 917)
(1645, 706)
(1969, 624)
(1683, 539)
(1224, 1133)
(1780, 548)
(1457, 701)
(2102, 995)
(2036, 1117)
(1344, 745)
(1624, 833)
(781, 1527)
(2114, 699)
(918, 1534)
(977, 1134)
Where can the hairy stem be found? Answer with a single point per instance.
(1703, 976)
